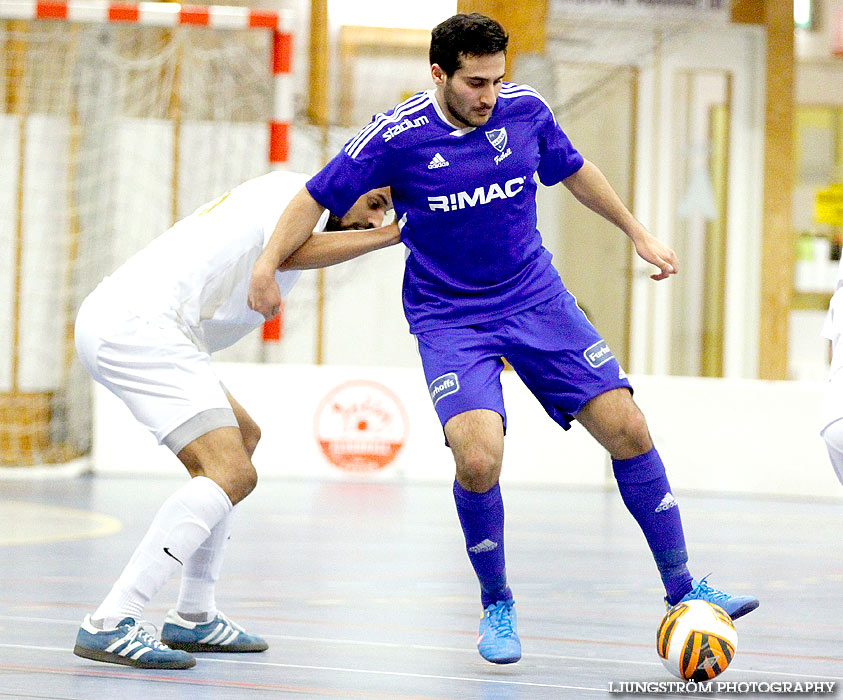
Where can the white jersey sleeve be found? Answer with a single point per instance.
(199, 270)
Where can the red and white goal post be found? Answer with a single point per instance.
(117, 119)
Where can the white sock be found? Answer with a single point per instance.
(201, 573)
(183, 522)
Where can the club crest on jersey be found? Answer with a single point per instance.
(444, 386)
(598, 354)
(499, 139)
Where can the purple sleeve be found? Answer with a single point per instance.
(339, 184)
(559, 158)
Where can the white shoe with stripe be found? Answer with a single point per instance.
(219, 635)
(129, 644)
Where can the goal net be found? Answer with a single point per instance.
(109, 132)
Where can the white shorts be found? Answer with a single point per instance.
(832, 407)
(154, 367)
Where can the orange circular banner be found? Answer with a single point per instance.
(361, 426)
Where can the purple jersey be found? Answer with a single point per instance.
(469, 197)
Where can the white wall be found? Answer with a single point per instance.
(739, 51)
(43, 264)
(818, 81)
(739, 436)
(808, 351)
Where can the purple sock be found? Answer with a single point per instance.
(481, 517)
(646, 493)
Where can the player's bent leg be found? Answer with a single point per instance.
(222, 473)
(476, 440)
(615, 421)
(221, 455)
(197, 590)
(201, 572)
(182, 523)
(249, 430)
(832, 434)
(178, 388)
(619, 425)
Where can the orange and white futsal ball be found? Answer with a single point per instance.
(696, 640)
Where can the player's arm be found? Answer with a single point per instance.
(592, 189)
(292, 230)
(333, 247)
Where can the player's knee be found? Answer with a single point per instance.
(632, 436)
(478, 469)
(251, 437)
(242, 480)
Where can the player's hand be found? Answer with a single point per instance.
(264, 294)
(656, 253)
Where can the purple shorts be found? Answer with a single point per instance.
(553, 347)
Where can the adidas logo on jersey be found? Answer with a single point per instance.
(485, 546)
(667, 503)
(437, 162)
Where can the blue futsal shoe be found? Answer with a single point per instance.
(497, 640)
(219, 635)
(735, 605)
(129, 645)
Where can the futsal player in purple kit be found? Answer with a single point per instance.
(479, 285)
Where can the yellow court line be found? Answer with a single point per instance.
(50, 523)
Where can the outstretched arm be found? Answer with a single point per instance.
(292, 230)
(331, 248)
(592, 189)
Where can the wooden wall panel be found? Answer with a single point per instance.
(777, 249)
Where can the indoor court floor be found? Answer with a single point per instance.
(364, 591)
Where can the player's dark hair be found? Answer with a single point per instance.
(465, 35)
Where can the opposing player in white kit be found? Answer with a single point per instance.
(832, 412)
(146, 333)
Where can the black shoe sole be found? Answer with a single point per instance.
(196, 647)
(112, 658)
(740, 612)
(502, 661)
